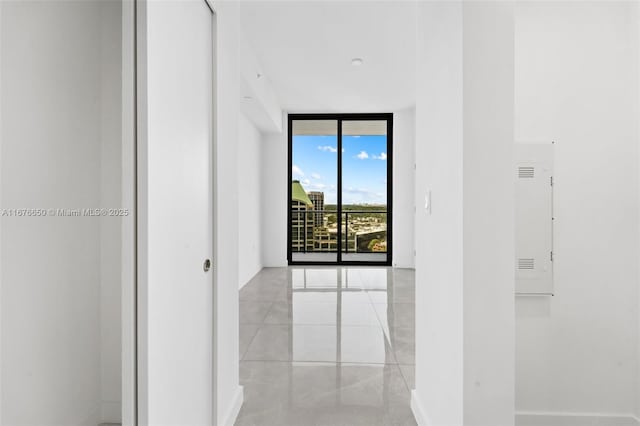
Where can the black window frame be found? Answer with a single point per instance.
(340, 118)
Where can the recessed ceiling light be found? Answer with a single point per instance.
(356, 62)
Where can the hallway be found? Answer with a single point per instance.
(327, 346)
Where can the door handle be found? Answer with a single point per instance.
(207, 265)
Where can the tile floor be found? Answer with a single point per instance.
(327, 346)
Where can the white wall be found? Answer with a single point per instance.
(637, 30)
(110, 227)
(577, 84)
(229, 393)
(1, 205)
(250, 201)
(488, 215)
(60, 137)
(404, 129)
(262, 107)
(464, 257)
(274, 192)
(438, 395)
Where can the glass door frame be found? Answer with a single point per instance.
(340, 118)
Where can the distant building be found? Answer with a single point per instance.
(326, 239)
(301, 219)
(317, 198)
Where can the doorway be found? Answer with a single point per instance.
(340, 189)
(64, 295)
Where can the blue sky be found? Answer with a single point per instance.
(364, 167)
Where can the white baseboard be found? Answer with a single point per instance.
(418, 410)
(275, 264)
(253, 275)
(234, 409)
(534, 418)
(403, 266)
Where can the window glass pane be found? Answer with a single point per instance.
(364, 190)
(314, 171)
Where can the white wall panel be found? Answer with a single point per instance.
(533, 174)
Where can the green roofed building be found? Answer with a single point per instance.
(299, 194)
(301, 219)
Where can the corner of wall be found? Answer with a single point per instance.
(637, 72)
(1, 205)
(637, 30)
(226, 221)
(273, 187)
(248, 169)
(404, 179)
(418, 410)
(231, 414)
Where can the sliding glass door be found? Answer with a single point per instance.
(340, 189)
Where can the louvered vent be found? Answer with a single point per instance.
(525, 172)
(526, 263)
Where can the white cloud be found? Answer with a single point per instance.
(328, 148)
(363, 155)
(296, 171)
(315, 186)
(316, 176)
(382, 156)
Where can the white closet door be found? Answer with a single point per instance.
(175, 171)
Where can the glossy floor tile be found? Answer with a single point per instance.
(327, 346)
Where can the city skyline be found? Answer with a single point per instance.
(313, 228)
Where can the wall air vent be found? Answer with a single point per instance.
(526, 172)
(526, 263)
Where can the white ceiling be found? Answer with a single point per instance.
(306, 47)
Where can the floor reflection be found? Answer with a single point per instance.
(327, 346)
